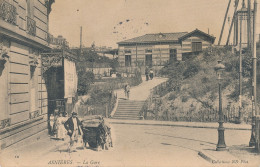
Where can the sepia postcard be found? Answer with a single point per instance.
(129, 83)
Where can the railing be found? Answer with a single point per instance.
(31, 26)
(8, 12)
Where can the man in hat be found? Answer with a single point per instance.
(73, 126)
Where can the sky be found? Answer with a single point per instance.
(106, 22)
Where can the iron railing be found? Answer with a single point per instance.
(31, 26)
(8, 12)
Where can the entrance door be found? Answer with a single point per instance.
(128, 60)
(148, 60)
(173, 55)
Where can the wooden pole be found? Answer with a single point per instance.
(224, 22)
(230, 29)
(240, 70)
(254, 100)
(80, 46)
(249, 25)
(254, 55)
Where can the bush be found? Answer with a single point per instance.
(172, 96)
(85, 79)
(191, 70)
(205, 80)
(185, 98)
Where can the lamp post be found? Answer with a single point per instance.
(221, 146)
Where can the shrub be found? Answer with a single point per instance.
(205, 80)
(191, 70)
(85, 79)
(172, 96)
(185, 98)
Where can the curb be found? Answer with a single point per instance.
(204, 156)
(188, 126)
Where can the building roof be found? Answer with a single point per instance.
(202, 34)
(159, 37)
(167, 37)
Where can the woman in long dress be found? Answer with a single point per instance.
(60, 127)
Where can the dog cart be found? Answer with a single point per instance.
(96, 132)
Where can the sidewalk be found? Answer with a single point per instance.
(211, 125)
(236, 155)
(29, 151)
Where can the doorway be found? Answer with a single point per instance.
(149, 60)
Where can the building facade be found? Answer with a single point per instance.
(23, 37)
(59, 69)
(155, 50)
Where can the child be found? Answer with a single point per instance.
(51, 124)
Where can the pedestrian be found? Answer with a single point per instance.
(77, 105)
(73, 127)
(60, 127)
(56, 115)
(147, 73)
(127, 90)
(51, 124)
(151, 73)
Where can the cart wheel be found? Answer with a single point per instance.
(92, 144)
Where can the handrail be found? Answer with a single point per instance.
(115, 107)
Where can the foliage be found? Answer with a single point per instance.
(191, 70)
(85, 79)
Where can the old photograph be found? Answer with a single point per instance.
(129, 83)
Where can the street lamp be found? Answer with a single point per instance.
(221, 146)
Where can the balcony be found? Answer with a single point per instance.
(31, 26)
(8, 12)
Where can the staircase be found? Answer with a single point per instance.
(128, 109)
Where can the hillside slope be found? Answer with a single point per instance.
(193, 87)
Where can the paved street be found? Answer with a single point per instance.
(141, 145)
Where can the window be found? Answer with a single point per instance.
(196, 46)
(128, 60)
(127, 51)
(148, 51)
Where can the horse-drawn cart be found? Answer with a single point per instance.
(96, 132)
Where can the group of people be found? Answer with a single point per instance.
(148, 73)
(57, 128)
(61, 124)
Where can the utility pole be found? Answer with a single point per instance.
(80, 45)
(249, 25)
(240, 72)
(235, 11)
(224, 22)
(254, 100)
(136, 63)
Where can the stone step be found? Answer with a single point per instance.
(119, 117)
(129, 109)
(134, 114)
